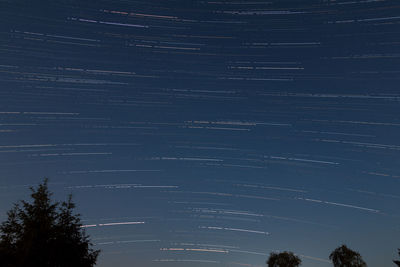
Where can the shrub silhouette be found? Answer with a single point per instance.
(283, 259)
(44, 234)
(345, 257)
(397, 262)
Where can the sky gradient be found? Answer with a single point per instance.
(208, 133)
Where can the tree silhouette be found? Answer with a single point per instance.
(397, 262)
(44, 234)
(283, 259)
(345, 257)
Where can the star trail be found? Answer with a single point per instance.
(208, 133)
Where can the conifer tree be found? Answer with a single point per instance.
(44, 233)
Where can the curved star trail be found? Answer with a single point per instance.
(208, 133)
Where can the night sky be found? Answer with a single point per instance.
(207, 133)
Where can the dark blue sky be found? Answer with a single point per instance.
(208, 133)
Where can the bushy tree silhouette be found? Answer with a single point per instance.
(397, 262)
(283, 259)
(345, 257)
(44, 234)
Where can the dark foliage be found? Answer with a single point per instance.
(283, 259)
(44, 234)
(345, 257)
(397, 262)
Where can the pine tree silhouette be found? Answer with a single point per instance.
(45, 234)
